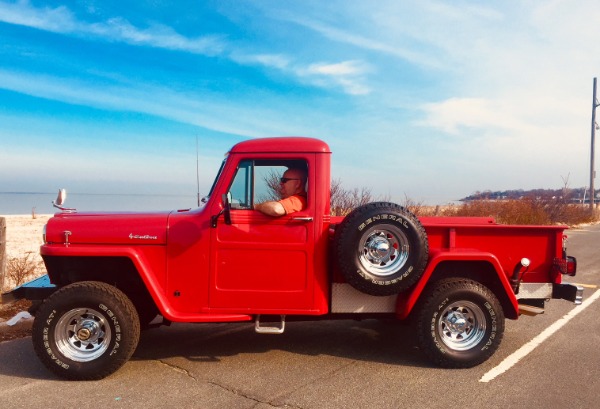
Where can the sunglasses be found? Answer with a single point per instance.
(285, 180)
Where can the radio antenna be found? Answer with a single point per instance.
(197, 173)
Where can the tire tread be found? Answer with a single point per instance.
(91, 290)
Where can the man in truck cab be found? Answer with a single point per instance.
(293, 195)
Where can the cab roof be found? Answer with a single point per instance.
(281, 145)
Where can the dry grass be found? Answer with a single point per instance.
(20, 269)
(527, 211)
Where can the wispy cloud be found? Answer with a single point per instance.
(277, 61)
(61, 20)
(58, 19)
(157, 36)
(455, 114)
(206, 110)
(361, 41)
(347, 74)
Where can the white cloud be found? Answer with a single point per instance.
(339, 69)
(205, 110)
(348, 75)
(61, 20)
(455, 114)
(362, 41)
(157, 36)
(58, 20)
(277, 61)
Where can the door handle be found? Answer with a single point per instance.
(303, 218)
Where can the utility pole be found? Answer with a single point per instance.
(595, 104)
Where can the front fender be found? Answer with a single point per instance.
(149, 261)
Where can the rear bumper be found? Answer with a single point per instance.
(569, 292)
(544, 291)
(37, 289)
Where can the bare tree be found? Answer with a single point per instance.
(343, 201)
(272, 182)
(566, 192)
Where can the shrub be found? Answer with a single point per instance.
(19, 269)
(530, 211)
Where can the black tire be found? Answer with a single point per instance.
(460, 323)
(381, 248)
(85, 331)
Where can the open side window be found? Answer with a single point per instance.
(257, 181)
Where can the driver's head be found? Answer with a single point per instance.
(292, 182)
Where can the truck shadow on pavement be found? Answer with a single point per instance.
(383, 341)
(375, 341)
(18, 359)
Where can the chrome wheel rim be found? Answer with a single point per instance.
(462, 325)
(82, 334)
(383, 250)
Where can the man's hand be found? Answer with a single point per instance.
(271, 208)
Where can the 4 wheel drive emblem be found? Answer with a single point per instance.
(142, 237)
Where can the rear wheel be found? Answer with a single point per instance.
(85, 331)
(460, 323)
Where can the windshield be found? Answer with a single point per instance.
(205, 198)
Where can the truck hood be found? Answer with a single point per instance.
(108, 228)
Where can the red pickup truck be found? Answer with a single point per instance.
(112, 274)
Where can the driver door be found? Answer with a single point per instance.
(259, 263)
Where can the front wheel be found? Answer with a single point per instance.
(460, 323)
(85, 331)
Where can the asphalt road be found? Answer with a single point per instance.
(345, 364)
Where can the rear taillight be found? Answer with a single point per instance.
(571, 266)
(566, 266)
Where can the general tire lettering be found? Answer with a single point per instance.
(459, 300)
(89, 352)
(381, 248)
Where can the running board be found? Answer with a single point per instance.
(269, 330)
(530, 310)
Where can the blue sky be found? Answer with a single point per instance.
(430, 100)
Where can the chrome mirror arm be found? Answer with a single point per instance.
(60, 200)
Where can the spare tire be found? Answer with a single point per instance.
(381, 248)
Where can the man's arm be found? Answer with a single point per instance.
(271, 208)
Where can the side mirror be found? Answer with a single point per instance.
(60, 200)
(227, 207)
(225, 211)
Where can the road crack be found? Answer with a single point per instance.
(178, 369)
(245, 396)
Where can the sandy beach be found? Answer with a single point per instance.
(23, 238)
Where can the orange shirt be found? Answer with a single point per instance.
(294, 203)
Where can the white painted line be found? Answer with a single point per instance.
(519, 354)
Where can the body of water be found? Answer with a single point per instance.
(41, 203)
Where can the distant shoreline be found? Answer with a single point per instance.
(15, 203)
